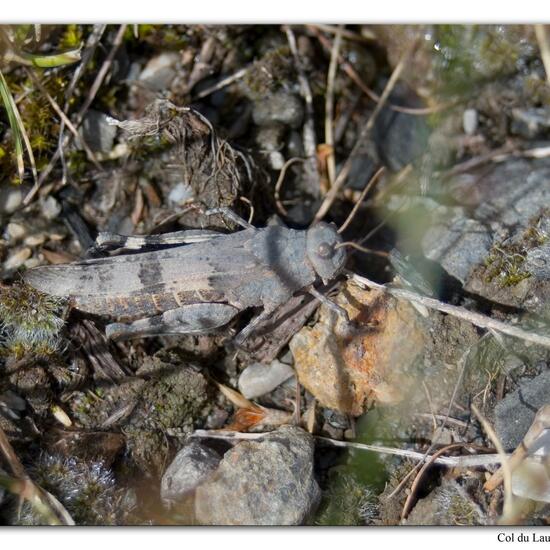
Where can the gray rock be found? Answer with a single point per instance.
(458, 245)
(160, 71)
(191, 466)
(281, 107)
(16, 231)
(499, 250)
(97, 132)
(258, 379)
(515, 413)
(270, 138)
(400, 138)
(513, 192)
(448, 504)
(262, 482)
(537, 261)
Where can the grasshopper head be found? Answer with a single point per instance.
(327, 260)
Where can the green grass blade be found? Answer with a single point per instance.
(55, 60)
(18, 130)
(7, 100)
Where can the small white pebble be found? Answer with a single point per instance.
(56, 236)
(10, 198)
(16, 231)
(17, 258)
(258, 379)
(180, 193)
(469, 121)
(35, 240)
(61, 416)
(51, 208)
(276, 160)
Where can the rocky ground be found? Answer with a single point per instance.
(435, 138)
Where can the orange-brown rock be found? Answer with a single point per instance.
(348, 370)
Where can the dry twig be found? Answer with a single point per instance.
(477, 319)
(223, 83)
(344, 172)
(472, 461)
(329, 107)
(362, 196)
(433, 458)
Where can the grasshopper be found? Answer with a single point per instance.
(196, 281)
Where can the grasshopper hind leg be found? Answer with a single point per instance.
(188, 319)
(252, 326)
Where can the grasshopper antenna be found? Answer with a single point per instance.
(352, 244)
(367, 188)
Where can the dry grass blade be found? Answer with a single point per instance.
(508, 513)
(280, 180)
(367, 188)
(544, 46)
(224, 82)
(309, 135)
(371, 94)
(366, 34)
(344, 172)
(237, 398)
(44, 503)
(100, 77)
(329, 106)
(18, 130)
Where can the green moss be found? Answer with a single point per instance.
(71, 37)
(505, 262)
(37, 115)
(505, 266)
(161, 37)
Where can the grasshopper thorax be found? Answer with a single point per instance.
(327, 259)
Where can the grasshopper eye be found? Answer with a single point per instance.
(325, 250)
